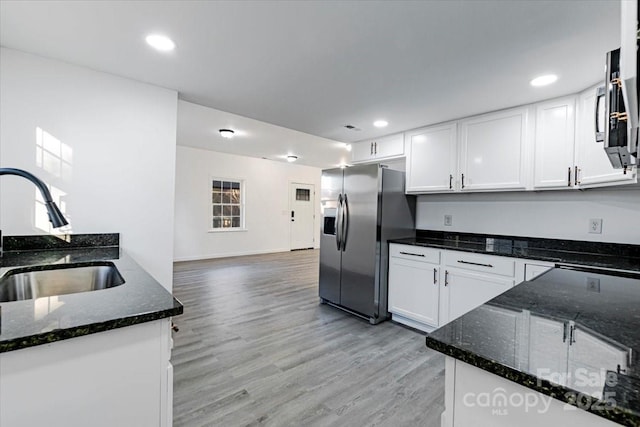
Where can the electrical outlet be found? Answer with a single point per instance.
(595, 226)
(593, 284)
(448, 220)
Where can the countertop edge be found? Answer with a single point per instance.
(88, 329)
(564, 394)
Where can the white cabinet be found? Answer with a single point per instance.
(387, 147)
(531, 271)
(112, 378)
(423, 297)
(593, 166)
(493, 151)
(431, 159)
(554, 141)
(465, 290)
(466, 387)
(414, 285)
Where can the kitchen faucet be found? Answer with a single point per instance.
(55, 216)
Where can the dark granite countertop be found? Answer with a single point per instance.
(572, 334)
(594, 254)
(44, 320)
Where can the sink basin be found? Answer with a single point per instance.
(37, 282)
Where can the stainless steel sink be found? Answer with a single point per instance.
(37, 282)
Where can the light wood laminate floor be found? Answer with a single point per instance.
(255, 347)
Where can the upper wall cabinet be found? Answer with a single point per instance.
(431, 159)
(493, 151)
(387, 147)
(554, 141)
(546, 146)
(592, 164)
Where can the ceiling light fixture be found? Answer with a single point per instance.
(380, 123)
(160, 42)
(547, 79)
(291, 158)
(226, 133)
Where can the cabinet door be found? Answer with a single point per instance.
(465, 291)
(554, 141)
(362, 152)
(493, 151)
(594, 168)
(431, 159)
(389, 146)
(414, 290)
(531, 271)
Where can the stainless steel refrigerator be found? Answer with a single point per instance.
(362, 208)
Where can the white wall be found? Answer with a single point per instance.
(552, 214)
(117, 164)
(266, 205)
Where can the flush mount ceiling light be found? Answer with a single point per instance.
(291, 158)
(380, 123)
(160, 42)
(226, 133)
(547, 79)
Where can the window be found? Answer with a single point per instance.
(227, 204)
(303, 194)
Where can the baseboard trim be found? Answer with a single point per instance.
(229, 255)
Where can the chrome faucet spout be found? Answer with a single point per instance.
(55, 216)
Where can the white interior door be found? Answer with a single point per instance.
(302, 210)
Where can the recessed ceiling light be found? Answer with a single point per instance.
(291, 158)
(547, 79)
(380, 123)
(226, 133)
(160, 42)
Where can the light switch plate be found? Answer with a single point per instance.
(448, 220)
(595, 226)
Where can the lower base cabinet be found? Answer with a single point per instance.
(120, 377)
(414, 291)
(467, 290)
(429, 287)
(474, 397)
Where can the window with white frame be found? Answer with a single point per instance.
(227, 204)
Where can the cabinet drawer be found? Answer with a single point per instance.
(484, 263)
(415, 253)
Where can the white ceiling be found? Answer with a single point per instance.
(317, 66)
(198, 127)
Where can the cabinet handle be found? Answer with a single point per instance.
(446, 278)
(572, 338)
(375, 148)
(462, 180)
(575, 176)
(564, 332)
(411, 253)
(450, 182)
(600, 93)
(569, 177)
(371, 148)
(475, 263)
(435, 276)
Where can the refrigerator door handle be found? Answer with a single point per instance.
(345, 222)
(338, 222)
